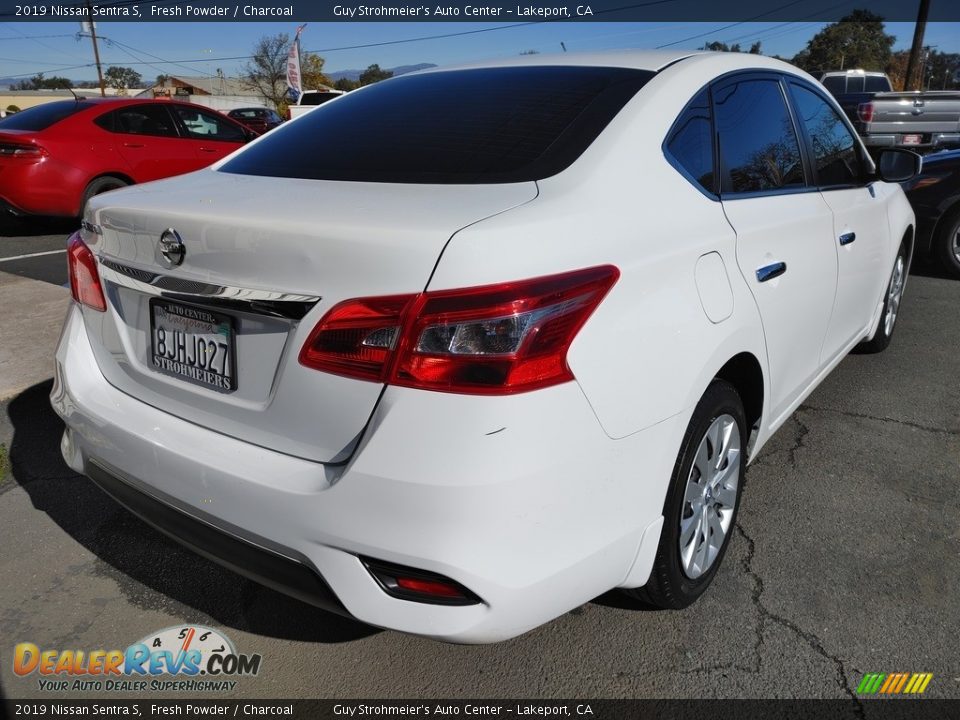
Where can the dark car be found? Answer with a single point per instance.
(258, 119)
(935, 196)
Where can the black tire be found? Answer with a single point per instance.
(884, 334)
(947, 243)
(670, 586)
(101, 185)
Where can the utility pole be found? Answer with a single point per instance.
(96, 51)
(917, 47)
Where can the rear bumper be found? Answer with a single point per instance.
(931, 140)
(522, 500)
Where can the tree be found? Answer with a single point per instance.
(723, 47)
(374, 74)
(311, 72)
(857, 40)
(162, 79)
(346, 84)
(267, 70)
(122, 78)
(39, 82)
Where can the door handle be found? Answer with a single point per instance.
(848, 238)
(769, 272)
(209, 150)
(133, 145)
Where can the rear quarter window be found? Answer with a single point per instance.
(489, 125)
(40, 117)
(690, 143)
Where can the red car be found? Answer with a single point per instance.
(55, 156)
(258, 119)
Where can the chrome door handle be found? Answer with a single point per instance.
(769, 272)
(848, 238)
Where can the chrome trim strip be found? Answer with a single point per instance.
(161, 285)
(769, 272)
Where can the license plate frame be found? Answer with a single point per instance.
(913, 139)
(196, 324)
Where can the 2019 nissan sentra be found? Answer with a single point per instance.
(56, 156)
(459, 351)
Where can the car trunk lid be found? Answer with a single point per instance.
(263, 261)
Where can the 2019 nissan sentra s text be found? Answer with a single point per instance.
(507, 343)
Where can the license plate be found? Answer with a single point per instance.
(193, 344)
(912, 139)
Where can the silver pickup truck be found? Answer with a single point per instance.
(921, 121)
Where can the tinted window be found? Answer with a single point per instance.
(317, 98)
(855, 84)
(139, 120)
(877, 84)
(834, 148)
(835, 84)
(691, 142)
(208, 126)
(758, 145)
(43, 116)
(459, 126)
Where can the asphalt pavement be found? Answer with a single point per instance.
(846, 559)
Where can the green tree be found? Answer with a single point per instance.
(374, 74)
(39, 82)
(723, 47)
(857, 40)
(121, 79)
(311, 72)
(346, 84)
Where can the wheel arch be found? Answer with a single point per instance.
(109, 174)
(745, 373)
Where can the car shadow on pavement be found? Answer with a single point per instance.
(152, 572)
(35, 226)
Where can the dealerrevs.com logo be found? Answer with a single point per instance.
(187, 658)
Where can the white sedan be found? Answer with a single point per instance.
(460, 351)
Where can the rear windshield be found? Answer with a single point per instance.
(490, 125)
(40, 117)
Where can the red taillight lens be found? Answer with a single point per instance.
(865, 112)
(500, 339)
(429, 587)
(21, 150)
(84, 278)
(356, 337)
(495, 339)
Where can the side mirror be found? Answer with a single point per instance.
(896, 165)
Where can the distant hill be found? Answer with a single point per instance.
(399, 70)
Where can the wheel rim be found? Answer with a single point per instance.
(894, 294)
(710, 497)
(955, 245)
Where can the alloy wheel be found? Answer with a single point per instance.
(894, 294)
(710, 497)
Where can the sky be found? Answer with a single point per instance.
(166, 47)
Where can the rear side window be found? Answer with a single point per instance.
(317, 98)
(139, 120)
(690, 143)
(43, 116)
(204, 125)
(876, 83)
(836, 84)
(487, 125)
(834, 148)
(758, 145)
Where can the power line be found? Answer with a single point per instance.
(727, 27)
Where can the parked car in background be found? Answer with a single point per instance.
(311, 99)
(921, 121)
(935, 196)
(555, 306)
(56, 156)
(852, 88)
(258, 119)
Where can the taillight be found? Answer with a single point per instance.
(865, 112)
(495, 339)
(84, 278)
(408, 583)
(21, 150)
(356, 337)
